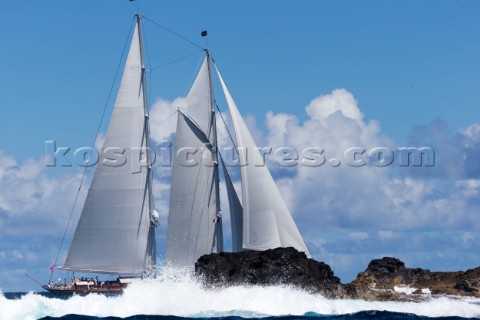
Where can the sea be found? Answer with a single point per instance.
(174, 295)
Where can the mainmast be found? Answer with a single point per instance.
(218, 236)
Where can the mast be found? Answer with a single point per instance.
(149, 182)
(218, 237)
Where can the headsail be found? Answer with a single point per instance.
(267, 222)
(236, 212)
(194, 222)
(115, 233)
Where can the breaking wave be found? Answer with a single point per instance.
(179, 294)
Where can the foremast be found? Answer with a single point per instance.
(194, 220)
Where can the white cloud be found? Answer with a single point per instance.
(324, 197)
(99, 141)
(340, 100)
(472, 133)
(457, 153)
(30, 201)
(163, 118)
(467, 239)
(358, 235)
(17, 255)
(360, 198)
(386, 234)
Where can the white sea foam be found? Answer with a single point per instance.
(404, 289)
(181, 295)
(426, 291)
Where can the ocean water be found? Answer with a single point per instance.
(178, 295)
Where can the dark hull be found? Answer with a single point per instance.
(111, 290)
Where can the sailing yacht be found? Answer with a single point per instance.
(116, 230)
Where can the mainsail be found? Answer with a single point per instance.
(267, 222)
(115, 233)
(194, 221)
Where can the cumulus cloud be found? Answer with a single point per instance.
(472, 135)
(29, 196)
(163, 119)
(335, 125)
(360, 198)
(457, 153)
(340, 100)
(34, 209)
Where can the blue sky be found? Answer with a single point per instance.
(396, 73)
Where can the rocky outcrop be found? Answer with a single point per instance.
(390, 276)
(270, 267)
(384, 279)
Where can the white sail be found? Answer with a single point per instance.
(115, 233)
(267, 222)
(236, 212)
(194, 227)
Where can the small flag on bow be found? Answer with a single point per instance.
(52, 267)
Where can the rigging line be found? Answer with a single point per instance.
(176, 60)
(93, 144)
(174, 33)
(193, 78)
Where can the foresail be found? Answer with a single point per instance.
(236, 212)
(115, 233)
(194, 228)
(267, 222)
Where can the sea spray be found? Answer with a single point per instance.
(180, 294)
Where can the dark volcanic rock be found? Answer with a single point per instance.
(384, 274)
(270, 267)
(290, 267)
